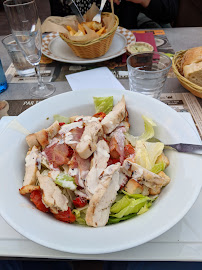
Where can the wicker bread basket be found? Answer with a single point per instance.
(94, 48)
(190, 86)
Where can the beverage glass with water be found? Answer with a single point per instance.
(22, 66)
(148, 72)
(25, 26)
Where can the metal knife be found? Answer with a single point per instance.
(186, 148)
(76, 10)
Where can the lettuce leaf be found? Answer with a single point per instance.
(147, 134)
(133, 208)
(145, 208)
(158, 167)
(80, 215)
(121, 204)
(149, 130)
(66, 181)
(146, 153)
(113, 220)
(61, 119)
(129, 206)
(135, 196)
(132, 139)
(103, 104)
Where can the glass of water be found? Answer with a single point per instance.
(26, 28)
(22, 66)
(148, 72)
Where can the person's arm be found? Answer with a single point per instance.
(164, 11)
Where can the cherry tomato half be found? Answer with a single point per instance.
(36, 198)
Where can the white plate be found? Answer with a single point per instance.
(57, 49)
(173, 203)
(159, 41)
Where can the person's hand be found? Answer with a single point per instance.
(143, 3)
(116, 1)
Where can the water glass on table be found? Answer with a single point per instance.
(22, 66)
(26, 29)
(148, 72)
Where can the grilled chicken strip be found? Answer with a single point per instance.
(144, 177)
(89, 138)
(42, 137)
(31, 167)
(98, 165)
(114, 118)
(52, 195)
(98, 211)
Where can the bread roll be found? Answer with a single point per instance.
(192, 65)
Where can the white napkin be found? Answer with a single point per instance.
(4, 121)
(98, 78)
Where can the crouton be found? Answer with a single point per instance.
(32, 140)
(163, 175)
(163, 158)
(133, 187)
(28, 189)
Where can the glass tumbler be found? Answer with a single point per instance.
(148, 72)
(22, 66)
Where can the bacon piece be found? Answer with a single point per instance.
(112, 161)
(129, 150)
(58, 154)
(79, 168)
(116, 145)
(76, 136)
(84, 168)
(83, 164)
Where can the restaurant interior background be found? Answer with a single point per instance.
(190, 14)
(43, 9)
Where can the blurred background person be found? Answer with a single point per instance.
(190, 13)
(157, 13)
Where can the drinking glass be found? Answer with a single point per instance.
(20, 63)
(26, 28)
(148, 72)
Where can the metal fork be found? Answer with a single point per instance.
(186, 148)
(97, 17)
(182, 147)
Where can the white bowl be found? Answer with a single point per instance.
(173, 203)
